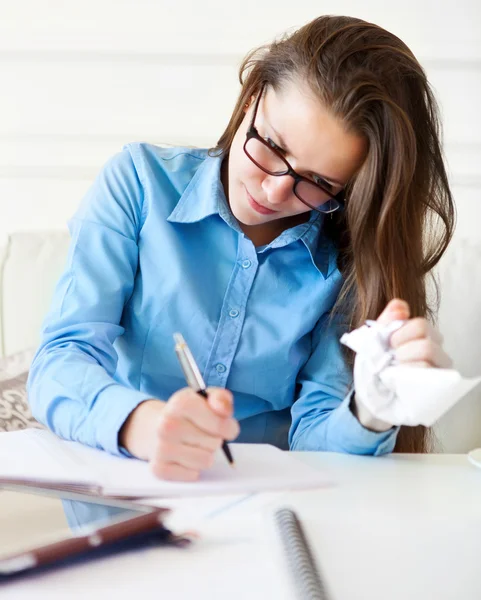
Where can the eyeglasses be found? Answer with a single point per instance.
(269, 159)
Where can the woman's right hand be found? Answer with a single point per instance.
(180, 437)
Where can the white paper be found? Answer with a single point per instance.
(258, 467)
(397, 394)
(34, 454)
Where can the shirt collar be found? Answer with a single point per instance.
(321, 250)
(204, 196)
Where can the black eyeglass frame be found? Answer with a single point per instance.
(252, 132)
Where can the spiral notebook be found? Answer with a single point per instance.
(305, 577)
(39, 459)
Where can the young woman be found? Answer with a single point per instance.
(324, 202)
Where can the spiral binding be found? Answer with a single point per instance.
(303, 569)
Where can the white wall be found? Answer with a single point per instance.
(79, 79)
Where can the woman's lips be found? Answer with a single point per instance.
(257, 207)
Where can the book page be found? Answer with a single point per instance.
(258, 467)
(36, 455)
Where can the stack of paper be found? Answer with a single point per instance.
(40, 459)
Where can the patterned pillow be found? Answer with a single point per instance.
(14, 409)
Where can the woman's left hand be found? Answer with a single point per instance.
(417, 343)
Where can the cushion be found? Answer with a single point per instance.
(14, 409)
(34, 263)
(460, 323)
(3, 255)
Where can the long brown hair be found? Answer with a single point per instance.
(399, 215)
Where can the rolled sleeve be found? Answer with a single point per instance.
(321, 415)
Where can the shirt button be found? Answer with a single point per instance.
(233, 313)
(246, 263)
(220, 368)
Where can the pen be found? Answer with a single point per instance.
(194, 378)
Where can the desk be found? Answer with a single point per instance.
(397, 527)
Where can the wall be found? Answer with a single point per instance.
(81, 79)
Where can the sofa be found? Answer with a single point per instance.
(31, 262)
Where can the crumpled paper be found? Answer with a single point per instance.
(398, 394)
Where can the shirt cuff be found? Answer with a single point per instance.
(125, 452)
(110, 411)
(356, 439)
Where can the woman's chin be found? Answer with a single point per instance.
(247, 216)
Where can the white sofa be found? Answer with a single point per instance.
(31, 262)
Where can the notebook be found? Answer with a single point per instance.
(40, 459)
(301, 564)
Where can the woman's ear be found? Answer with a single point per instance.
(248, 103)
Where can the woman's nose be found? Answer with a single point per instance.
(278, 188)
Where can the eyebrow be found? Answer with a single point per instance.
(284, 147)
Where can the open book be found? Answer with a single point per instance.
(40, 459)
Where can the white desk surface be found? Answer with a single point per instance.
(398, 527)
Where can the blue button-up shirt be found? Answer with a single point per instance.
(155, 250)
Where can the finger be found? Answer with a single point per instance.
(421, 364)
(424, 350)
(221, 401)
(396, 310)
(446, 361)
(190, 457)
(176, 429)
(172, 471)
(415, 329)
(189, 405)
